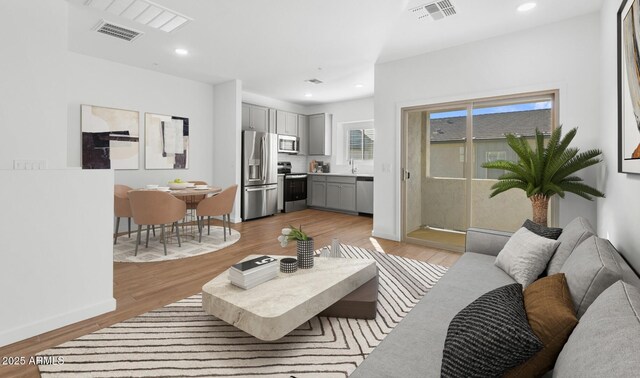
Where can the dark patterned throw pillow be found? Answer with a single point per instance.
(489, 336)
(546, 232)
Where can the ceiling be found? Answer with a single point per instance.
(274, 46)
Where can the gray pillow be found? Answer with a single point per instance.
(525, 256)
(590, 270)
(606, 341)
(577, 231)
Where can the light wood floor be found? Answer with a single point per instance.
(141, 287)
(439, 236)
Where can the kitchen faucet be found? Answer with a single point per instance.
(354, 169)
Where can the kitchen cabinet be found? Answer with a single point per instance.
(318, 191)
(286, 123)
(280, 193)
(320, 134)
(333, 192)
(341, 193)
(255, 118)
(303, 134)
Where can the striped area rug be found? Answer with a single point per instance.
(180, 340)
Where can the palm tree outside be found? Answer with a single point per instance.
(545, 171)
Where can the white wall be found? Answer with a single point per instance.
(344, 112)
(61, 271)
(226, 142)
(617, 213)
(57, 259)
(564, 55)
(101, 82)
(32, 81)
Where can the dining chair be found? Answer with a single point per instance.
(151, 207)
(220, 204)
(121, 209)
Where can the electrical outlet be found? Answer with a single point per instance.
(21, 164)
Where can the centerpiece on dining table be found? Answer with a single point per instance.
(304, 245)
(178, 184)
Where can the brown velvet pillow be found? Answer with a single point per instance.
(552, 318)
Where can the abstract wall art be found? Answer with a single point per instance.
(110, 138)
(629, 87)
(166, 142)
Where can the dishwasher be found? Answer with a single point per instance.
(364, 195)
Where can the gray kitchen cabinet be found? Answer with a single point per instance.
(303, 134)
(341, 196)
(286, 123)
(348, 197)
(318, 193)
(333, 195)
(320, 134)
(255, 118)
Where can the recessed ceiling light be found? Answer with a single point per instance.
(526, 7)
(359, 85)
(182, 51)
(308, 95)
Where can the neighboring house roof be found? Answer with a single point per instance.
(492, 126)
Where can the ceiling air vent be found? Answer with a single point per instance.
(436, 11)
(117, 31)
(314, 81)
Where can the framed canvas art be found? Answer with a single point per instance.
(166, 142)
(629, 87)
(110, 138)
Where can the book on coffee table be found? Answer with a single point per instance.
(247, 274)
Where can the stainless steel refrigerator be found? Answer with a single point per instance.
(259, 174)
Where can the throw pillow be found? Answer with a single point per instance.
(606, 341)
(538, 229)
(577, 231)
(489, 336)
(591, 269)
(552, 318)
(525, 256)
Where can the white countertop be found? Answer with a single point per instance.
(343, 174)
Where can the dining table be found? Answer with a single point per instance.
(189, 195)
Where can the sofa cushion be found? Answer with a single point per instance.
(552, 318)
(544, 231)
(606, 342)
(577, 231)
(525, 256)
(489, 336)
(590, 270)
(414, 348)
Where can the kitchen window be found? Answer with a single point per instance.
(361, 144)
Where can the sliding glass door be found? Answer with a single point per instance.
(445, 188)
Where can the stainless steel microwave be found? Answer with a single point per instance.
(288, 144)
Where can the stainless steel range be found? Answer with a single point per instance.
(295, 188)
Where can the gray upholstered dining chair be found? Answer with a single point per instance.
(150, 207)
(220, 204)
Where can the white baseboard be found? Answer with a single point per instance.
(45, 325)
(384, 235)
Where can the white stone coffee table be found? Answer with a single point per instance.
(272, 309)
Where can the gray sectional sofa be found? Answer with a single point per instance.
(604, 289)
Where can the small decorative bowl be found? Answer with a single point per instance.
(178, 185)
(288, 265)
